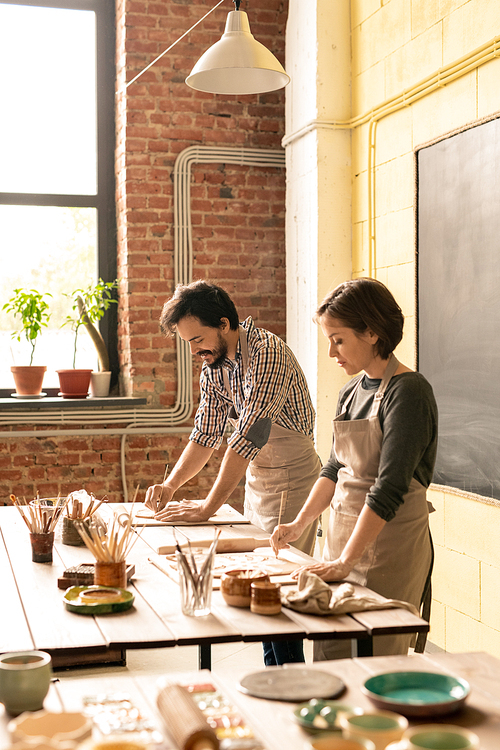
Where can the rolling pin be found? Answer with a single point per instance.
(235, 544)
(184, 720)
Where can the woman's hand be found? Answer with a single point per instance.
(283, 535)
(186, 510)
(336, 570)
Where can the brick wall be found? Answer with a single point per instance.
(238, 236)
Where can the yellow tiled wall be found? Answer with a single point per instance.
(395, 45)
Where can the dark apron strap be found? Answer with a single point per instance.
(425, 603)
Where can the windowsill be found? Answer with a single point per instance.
(57, 402)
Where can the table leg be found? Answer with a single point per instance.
(362, 647)
(204, 656)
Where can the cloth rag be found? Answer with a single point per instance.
(314, 596)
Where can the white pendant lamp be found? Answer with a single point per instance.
(237, 63)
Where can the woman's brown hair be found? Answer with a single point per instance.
(366, 305)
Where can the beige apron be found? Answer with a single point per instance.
(397, 562)
(288, 462)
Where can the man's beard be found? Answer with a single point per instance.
(219, 354)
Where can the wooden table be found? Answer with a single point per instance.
(33, 615)
(272, 720)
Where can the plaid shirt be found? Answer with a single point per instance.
(274, 388)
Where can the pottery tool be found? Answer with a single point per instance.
(282, 502)
(184, 719)
(38, 518)
(115, 545)
(162, 488)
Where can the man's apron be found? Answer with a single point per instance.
(396, 564)
(287, 462)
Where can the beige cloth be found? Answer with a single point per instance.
(315, 597)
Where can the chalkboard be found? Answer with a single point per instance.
(459, 302)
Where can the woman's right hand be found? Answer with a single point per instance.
(283, 535)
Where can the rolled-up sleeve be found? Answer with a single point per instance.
(211, 416)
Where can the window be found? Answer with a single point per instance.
(57, 217)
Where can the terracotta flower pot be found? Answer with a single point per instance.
(28, 379)
(74, 383)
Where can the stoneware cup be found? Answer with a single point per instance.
(235, 585)
(265, 598)
(24, 680)
(334, 741)
(437, 737)
(381, 727)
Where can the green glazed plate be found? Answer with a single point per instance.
(417, 693)
(319, 715)
(97, 600)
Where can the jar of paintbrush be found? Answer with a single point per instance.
(41, 521)
(110, 548)
(81, 507)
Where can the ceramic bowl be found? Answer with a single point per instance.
(45, 725)
(336, 742)
(319, 715)
(417, 693)
(235, 585)
(437, 737)
(381, 727)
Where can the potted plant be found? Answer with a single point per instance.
(32, 307)
(89, 306)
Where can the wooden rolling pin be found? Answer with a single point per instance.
(184, 720)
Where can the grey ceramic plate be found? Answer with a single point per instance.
(295, 684)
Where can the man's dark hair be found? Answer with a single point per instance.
(200, 299)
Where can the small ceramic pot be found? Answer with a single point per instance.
(112, 574)
(61, 727)
(381, 727)
(235, 586)
(41, 547)
(24, 680)
(265, 598)
(99, 384)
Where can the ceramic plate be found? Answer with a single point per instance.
(318, 715)
(417, 693)
(35, 395)
(97, 600)
(282, 684)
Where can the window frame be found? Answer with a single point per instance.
(104, 200)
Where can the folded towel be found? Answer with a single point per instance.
(314, 596)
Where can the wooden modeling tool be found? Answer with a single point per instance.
(282, 502)
(162, 488)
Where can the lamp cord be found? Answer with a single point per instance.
(236, 2)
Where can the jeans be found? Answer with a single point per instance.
(283, 652)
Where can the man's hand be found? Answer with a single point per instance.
(158, 496)
(328, 571)
(185, 510)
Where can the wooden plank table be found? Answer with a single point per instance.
(272, 721)
(34, 615)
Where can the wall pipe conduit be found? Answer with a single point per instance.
(166, 420)
(445, 75)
